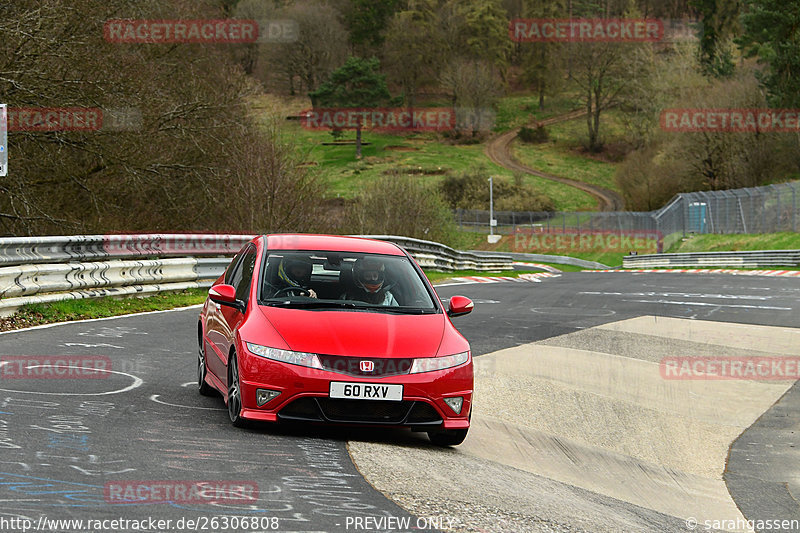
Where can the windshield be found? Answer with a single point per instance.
(344, 280)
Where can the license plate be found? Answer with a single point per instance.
(366, 391)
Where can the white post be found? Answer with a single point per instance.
(493, 239)
(491, 208)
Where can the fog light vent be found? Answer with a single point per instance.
(265, 395)
(455, 403)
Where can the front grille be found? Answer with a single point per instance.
(423, 413)
(301, 409)
(374, 411)
(350, 365)
(360, 412)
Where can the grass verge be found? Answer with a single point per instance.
(725, 243)
(563, 156)
(438, 277)
(70, 310)
(477, 241)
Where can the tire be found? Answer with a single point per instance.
(448, 437)
(202, 387)
(234, 393)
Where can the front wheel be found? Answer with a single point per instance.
(234, 393)
(202, 387)
(448, 437)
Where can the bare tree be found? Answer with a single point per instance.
(475, 89)
(412, 49)
(603, 72)
(320, 48)
(162, 173)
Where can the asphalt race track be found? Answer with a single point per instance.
(68, 443)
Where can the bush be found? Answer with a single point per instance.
(533, 136)
(470, 190)
(401, 205)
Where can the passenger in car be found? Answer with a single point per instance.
(369, 283)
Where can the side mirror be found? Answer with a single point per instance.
(224, 294)
(459, 306)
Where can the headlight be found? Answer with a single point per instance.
(432, 364)
(285, 356)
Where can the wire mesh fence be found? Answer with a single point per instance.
(770, 209)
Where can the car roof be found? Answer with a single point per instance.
(330, 243)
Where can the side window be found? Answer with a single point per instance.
(244, 275)
(229, 273)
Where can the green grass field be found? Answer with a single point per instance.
(422, 156)
(427, 156)
(723, 243)
(562, 154)
(698, 243)
(69, 310)
(518, 110)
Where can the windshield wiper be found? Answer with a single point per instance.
(340, 304)
(311, 304)
(400, 310)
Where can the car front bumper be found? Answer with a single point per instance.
(304, 396)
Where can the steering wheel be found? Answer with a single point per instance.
(294, 291)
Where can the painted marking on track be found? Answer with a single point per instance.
(767, 273)
(680, 294)
(154, 398)
(137, 382)
(84, 345)
(704, 304)
(573, 311)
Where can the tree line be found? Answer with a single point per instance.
(725, 54)
(198, 160)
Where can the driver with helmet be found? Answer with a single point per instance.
(369, 277)
(294, 277)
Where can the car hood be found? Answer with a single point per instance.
(357, 333)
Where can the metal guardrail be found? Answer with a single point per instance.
(62, 249)
(431, 254)
(42, 283)
(49, 269)
(750, 259)
(556, 259)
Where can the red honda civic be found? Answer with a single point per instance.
(335, 330)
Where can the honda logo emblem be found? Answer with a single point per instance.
(366, 366)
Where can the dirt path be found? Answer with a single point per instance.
(499, 151)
